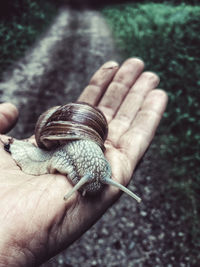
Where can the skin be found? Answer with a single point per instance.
(35, 221)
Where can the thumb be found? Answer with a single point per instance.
(8, 117)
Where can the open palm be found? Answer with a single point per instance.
(35, 222)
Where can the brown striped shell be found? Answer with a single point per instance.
(73, 121)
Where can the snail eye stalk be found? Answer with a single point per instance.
(85, 179)
(121, 187)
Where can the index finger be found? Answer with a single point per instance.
(98, 83)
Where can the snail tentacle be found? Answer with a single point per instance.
(85, 179)
(109, 181)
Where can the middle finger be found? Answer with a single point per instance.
(132, 104)
(121, 84)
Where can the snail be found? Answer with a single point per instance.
(70, 140)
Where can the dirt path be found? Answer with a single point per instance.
(59, 66)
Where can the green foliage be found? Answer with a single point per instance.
(21, 22)
(167, 38)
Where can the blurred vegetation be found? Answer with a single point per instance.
(165, 34)
(21, 21)
(167, 38)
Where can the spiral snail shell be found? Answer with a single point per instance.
(72, 121)
(70, 141)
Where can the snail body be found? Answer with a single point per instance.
(70, 141)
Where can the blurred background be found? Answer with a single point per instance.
(50, 49)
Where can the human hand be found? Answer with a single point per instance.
(35, 221)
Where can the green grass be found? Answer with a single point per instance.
(167, 38)
(21, 22)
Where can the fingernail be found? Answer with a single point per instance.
(110, 65)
